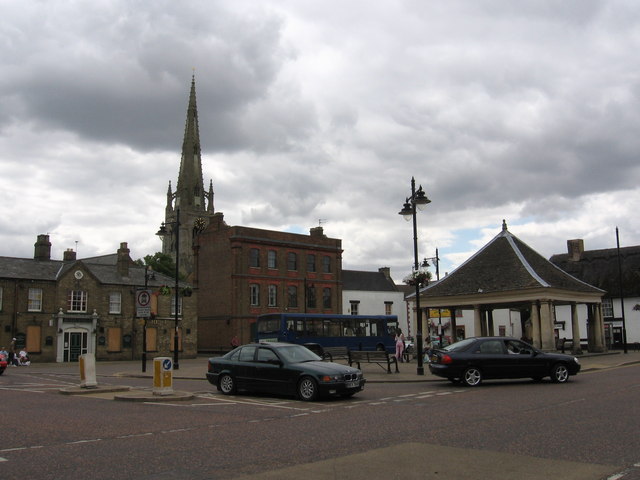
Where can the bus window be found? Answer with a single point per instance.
(348, 328)
(299, 327)
(375, 328)
(271, 325)
(364, 332)
(335, 328)
(314, 327)
(361, 328)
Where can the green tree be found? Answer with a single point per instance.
(160, 262)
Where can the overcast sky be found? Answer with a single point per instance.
(527, 111)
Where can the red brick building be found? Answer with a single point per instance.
(243, 272)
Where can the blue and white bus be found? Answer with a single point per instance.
(356, 332)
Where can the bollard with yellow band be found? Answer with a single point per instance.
(87, 364)
(162, 376)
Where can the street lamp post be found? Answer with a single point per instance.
(417, 199)
(144, 326)
(425, 263)
(175, 228)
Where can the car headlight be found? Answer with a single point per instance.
(575, 359)
(330, 378)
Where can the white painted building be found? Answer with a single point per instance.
(373, 293)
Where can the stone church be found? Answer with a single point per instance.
(242, 272)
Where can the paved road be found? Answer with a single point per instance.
(407, 428)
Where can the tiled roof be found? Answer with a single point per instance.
(103, 268)
(600, 269)
(505, 264)
(367, 281)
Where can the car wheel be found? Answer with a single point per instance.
(471, 377)
(307, 389)
(227, 385)
(559, 373)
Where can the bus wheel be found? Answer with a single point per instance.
(380, 348)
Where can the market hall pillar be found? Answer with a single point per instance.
(535, 325)
(546, 326)
(576, 349)
(477, 321)
(490, 329)
(598, 336)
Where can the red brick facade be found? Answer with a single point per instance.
(239, 279)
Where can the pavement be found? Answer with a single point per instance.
(196, 368)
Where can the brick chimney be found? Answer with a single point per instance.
(42, 248)
(124, 260)
(69, 255)
(386, 271)
(317, 232)
(575, 249)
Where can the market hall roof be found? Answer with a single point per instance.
(507, 272)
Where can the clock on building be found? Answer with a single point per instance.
(78, 274)
(199, 225)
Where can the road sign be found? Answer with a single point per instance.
(143, 303)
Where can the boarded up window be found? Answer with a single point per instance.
(114, 339)
(34, 338)
(152, 339)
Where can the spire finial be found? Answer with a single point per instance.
(504, 225)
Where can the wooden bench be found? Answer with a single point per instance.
(379, 357)
(335, 353)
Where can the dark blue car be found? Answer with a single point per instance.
(282, 369)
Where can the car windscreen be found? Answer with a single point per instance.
(297, 354)
(461, 345)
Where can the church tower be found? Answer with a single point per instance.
(189, 207)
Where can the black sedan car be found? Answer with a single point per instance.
(283, 369)
(474, 359)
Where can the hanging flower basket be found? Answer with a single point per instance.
(421, 278)
(186, 291)
(164, 290)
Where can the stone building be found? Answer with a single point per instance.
(60, 309)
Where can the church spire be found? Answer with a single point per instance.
(190, 188)
(210, 198)
(189, 202)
